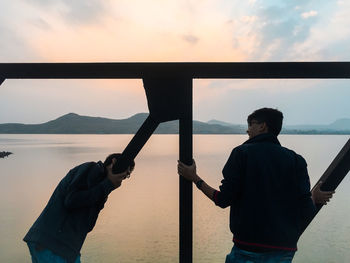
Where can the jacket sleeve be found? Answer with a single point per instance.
(307, 207)
(78, 198)
(231, 184)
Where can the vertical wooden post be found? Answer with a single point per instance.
(185, 194)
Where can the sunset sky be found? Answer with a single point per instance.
(164, 30)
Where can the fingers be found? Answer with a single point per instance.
(328, 194)
(325, 197)
(121, 176)
(324, 193)
(326, 200)
(181, 164)
(128, 172)
(180, 169)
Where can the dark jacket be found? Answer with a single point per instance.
(268, 189)
(72, 211)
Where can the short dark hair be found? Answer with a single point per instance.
(272, 117)
(116, 156)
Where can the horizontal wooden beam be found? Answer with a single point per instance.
(241, 70)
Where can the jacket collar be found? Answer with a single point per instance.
(265, 137)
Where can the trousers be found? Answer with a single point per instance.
(242, 256)
(46, 255)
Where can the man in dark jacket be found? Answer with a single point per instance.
(59, 232)
(268, 190)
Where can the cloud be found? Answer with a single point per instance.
(330, 38)
(275, 29)
(14, 46)
(12, 43)
(154, 30)
(249, 19)
(82, 11)
(41, 23)
(77, 11)
(252, 2)
(190, 39)
(309, 14)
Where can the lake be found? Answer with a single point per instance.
(140, 220)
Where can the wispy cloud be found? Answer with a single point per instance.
(77, 11)
(14, 48)
(190, 39)
(311, 13)
(215, 30)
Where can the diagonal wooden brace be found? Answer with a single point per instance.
(136, 144)
(169, 99)
(335, 173)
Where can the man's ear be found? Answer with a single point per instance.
(263, 127)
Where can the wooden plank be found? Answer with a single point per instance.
(336, 172)
(261, 70)
(136, 144)
(185, 186)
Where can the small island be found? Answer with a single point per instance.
(4, 154)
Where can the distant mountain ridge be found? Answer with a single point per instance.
(73, 123)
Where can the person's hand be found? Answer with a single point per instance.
(321, 197)
(117, 179)
(189, 172)
(129, 171)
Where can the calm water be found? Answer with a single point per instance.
(140, 220)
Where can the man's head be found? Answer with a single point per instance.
(113, 158)
(264, 120)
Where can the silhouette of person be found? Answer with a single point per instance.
(268, 190)
(60, 231)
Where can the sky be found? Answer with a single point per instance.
(174, 31)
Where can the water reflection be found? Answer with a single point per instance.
(140, 219)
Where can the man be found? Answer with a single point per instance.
(268, 190)
(59, 232)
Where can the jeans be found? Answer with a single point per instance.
(242, 256)
(46, 255)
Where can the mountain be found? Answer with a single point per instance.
(76, 124)
(340, 126)
(222, 123)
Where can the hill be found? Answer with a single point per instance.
(76, 124)
(73, 123)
